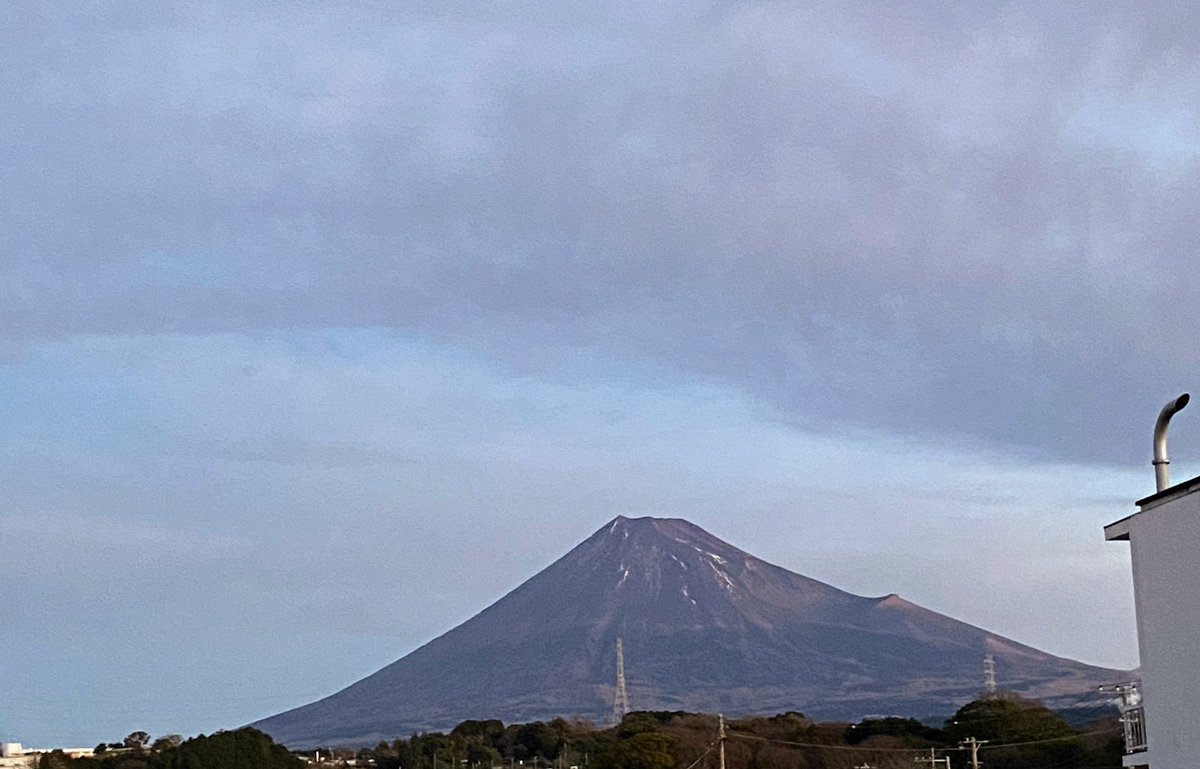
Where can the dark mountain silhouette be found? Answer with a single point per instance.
(705, 627)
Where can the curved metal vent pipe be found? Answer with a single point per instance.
(1162, 465)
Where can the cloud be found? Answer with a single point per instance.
(116, 537)
(930, 222)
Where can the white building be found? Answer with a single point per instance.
(1164, 544)
(14, 756)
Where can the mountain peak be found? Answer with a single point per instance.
(669, 563)
(705, 627)
(646, 522)
(676, 529)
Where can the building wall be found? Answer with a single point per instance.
(1164, 543)
(13, 756)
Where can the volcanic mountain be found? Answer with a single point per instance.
(705, 627)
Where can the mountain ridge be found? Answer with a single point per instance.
(706, 626)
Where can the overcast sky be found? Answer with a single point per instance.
(324, 325)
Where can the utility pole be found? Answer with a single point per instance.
(933, 760)
(721, 737)
(973, 744)
(1132, 717)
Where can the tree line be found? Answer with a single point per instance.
(1014, 733)
(1011, 733)
(240, 749)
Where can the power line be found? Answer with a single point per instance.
(701, 758)
(933, 760)
(911, 751)
(1079, 736)
(823, 746)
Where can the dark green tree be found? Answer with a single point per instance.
(246, 748)
(137, 740)
(1006, 719)
(536, 740)
(167, 741)
(640, 722)
(911, 730)
(55, 759)
(491, 730)
(648, 750)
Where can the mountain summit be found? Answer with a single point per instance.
(705, 627)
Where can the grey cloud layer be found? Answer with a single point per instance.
(945, 220)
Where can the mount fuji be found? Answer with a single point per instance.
(705, 627)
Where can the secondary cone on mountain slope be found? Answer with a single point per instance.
(706, 627)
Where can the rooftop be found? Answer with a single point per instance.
(1119, 530)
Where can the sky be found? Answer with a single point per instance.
(323, 326)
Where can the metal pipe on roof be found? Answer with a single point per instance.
(1162, 465)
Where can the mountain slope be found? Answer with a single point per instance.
(705, 627)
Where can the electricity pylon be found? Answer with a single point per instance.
(621, 696)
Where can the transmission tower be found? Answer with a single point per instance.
(721, 737)
(989, 675)
(621, 696)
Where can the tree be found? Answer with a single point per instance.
(536, 739)
(55, 759)
(490, 730)
(1003, 720)
(648, 750)
(167, 741)
(246, 748)
(137, 740)
(425, 749)
(478, 752)
(640, 722)
(911, 730)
